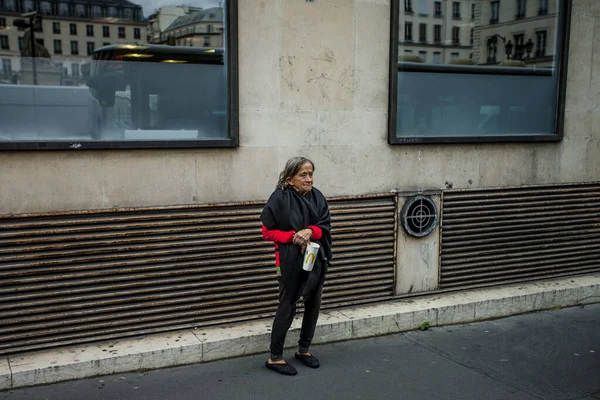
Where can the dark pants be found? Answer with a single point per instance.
(285, 315)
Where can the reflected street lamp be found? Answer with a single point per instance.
(529, 48)
(508, 46)
(33, 17)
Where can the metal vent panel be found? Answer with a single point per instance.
(497, 236)
(85, 276)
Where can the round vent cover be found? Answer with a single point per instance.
(419, 216)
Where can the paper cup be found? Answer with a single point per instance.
(310, 255)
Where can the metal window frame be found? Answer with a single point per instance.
(563, 30)
(232, 129)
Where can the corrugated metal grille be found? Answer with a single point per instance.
(86, 276)
(492, 237)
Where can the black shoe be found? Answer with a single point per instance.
(284, 369)
(309, 361)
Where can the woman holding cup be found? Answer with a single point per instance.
(296, 217)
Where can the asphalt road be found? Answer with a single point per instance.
(546, 355)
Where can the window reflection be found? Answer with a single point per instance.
(492, 73)
(160, 77)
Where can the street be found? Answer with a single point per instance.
(547, 355)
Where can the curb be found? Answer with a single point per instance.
(234, 340)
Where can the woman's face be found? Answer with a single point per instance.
(303, 180)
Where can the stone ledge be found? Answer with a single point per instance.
(234, 340)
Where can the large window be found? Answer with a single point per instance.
(130, 94)
(491, 82)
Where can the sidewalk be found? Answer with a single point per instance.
(551, 355)
(199, 346)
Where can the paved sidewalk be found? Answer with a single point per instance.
(546, 355)
(206, 345)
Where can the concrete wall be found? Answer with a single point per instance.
(314, 82)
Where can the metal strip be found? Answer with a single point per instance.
(81, 276)
(507, 235)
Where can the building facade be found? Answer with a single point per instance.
(198, 28)
(437, 32)
(520, 30)
(70, 31)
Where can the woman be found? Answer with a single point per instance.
(296, 214)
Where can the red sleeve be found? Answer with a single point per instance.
(317, 232)
(277, 236)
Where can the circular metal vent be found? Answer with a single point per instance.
(419, 216)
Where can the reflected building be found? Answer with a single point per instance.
(163, 18)
(436, 32)
(70, 31)
(200, 28)
(513, 32)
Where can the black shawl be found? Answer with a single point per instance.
(287, 210)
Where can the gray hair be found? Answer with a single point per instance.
(292, 166)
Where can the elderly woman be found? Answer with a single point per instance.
(295, 215)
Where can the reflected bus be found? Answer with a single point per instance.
(156, 92)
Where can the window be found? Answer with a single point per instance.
(97, 12)
(483, 93)
(422, 32)
(57, 46)
(437, 33)
(46, 7)
(519, 41)
(56, 28)
(113, 12)
(7, 68)
(456, 35)
(521, 9)
(28, 5)
(543, 10)
(127, 13)
(423, 9)
(455, 10)
(89, 30)
(473, 6)
(2, 22)
(540, 43)
(495, 12)
(408, 5)
(492, 50)
(115, 101)
(408, 35)
(437, 9)
(423, 56)
(80, 11)
(63, 9)
(209, 29)
(10, 5)
(20, 43)
(4, 42)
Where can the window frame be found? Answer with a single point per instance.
(562, 35)
(232, 120)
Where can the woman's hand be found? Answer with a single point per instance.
(302, 238)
